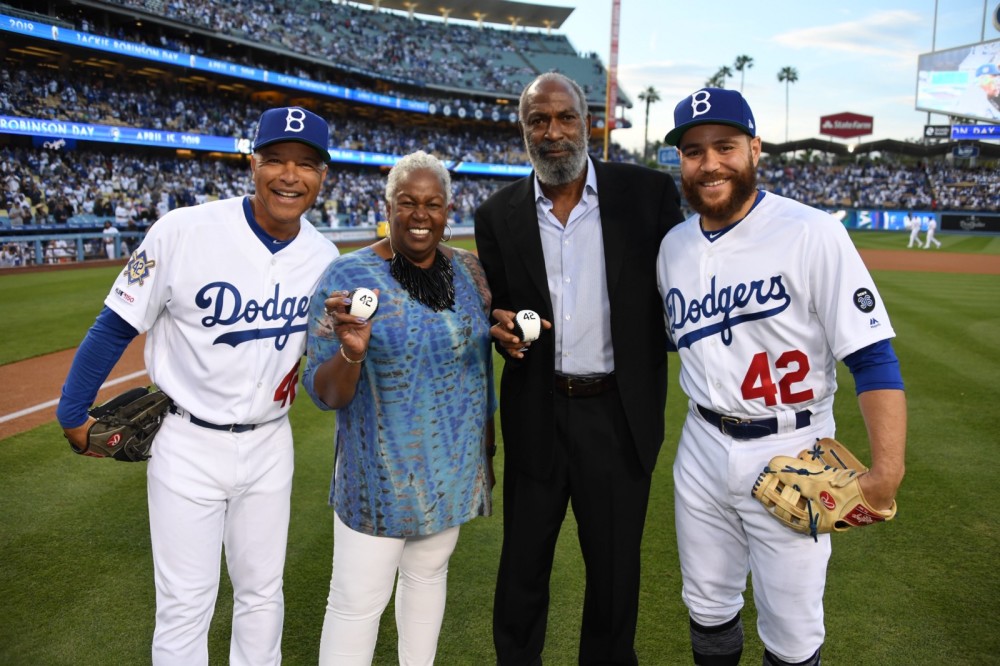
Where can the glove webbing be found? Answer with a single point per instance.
(813, 516)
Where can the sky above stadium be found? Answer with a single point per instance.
(858, 56)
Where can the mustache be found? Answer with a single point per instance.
(556, 146)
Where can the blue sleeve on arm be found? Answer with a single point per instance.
(875, 367)
(103, 345)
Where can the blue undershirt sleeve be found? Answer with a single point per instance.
(101, 348)
(875, 367)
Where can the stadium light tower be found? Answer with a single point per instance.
(611, 98)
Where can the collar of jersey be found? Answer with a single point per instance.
(274, 245)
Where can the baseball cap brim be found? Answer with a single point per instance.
(324, 152)
(673, 137)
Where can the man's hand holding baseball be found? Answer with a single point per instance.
(503, 333)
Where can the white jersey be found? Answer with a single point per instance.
(761, 315)
(225, 335)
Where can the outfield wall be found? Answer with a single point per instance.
(900, 220)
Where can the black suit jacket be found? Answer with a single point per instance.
(638, 206)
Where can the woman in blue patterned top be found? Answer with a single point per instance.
(413, 388)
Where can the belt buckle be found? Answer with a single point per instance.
(569, 387)
(730, 420)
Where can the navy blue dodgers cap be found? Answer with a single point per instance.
(293, 123)
(989, 69)
(711, 105)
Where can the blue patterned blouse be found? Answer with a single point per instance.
(410, 447)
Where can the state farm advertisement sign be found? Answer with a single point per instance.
(846, 125)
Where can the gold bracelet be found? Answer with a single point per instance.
(346, 358)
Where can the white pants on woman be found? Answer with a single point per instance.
(364, 571)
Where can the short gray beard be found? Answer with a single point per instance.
(559, 171)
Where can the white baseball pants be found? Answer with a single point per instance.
(724, 534)
(208, 489)
(364, 571)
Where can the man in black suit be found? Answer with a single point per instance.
(582, 408)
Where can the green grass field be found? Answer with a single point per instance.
(76, 581)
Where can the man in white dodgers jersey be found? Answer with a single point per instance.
(223, 291)
(762, 297)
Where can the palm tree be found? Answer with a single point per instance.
(723, 74)
(788, 75)
(743, 62)
(718, 80)
(651, 96)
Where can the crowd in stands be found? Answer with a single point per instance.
(47, 186)
(392, 45)
(925, 186)
(42, 186)
(129, 100)
(367, 81)
(377, 51)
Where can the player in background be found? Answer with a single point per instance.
(110, 236)
(913, 224)
(222, 290)
(582, 410)
(931, 229)
(762, 296)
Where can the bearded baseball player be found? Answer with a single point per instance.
(763, 296)
(223, 291)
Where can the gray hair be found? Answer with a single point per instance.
(405, 167)
(561, 78)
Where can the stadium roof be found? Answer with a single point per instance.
(521, 14)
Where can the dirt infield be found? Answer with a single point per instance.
(31, 384)
(931, 261)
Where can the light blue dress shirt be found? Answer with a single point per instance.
(574, 264)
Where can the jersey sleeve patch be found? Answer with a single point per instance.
(139, 268)
(864, 300)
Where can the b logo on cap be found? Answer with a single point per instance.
(700, 105)
(295, 120)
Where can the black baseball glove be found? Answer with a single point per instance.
(126, 425)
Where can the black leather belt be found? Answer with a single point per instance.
(584, 386)
(738, 428)
(232, 427)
